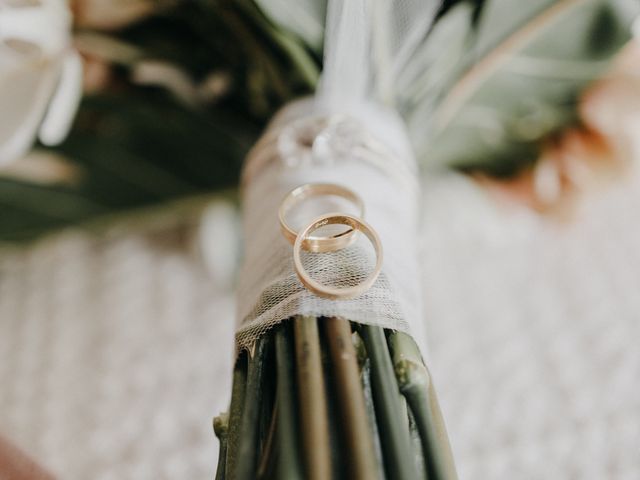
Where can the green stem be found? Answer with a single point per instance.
(221, 429)
(265, 469)
(365, 381)
(235, 414)
(247, 460)
(256, 50)
(394, 431)
(355, 424)
(416, 443)
(312, 399)
(415, 384)
(289, 466)
(307, 67)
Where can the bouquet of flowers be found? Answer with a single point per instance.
(355, 99)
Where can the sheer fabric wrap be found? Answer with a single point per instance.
(347, 134)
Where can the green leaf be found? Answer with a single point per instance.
(132, 152)
(304, 18)
(523, 77)
(429, 75)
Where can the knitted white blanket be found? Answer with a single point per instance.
(115, 351)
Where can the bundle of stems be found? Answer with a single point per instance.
(325, 398)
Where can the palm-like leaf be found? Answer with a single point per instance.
(522, 77)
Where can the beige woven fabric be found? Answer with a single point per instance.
(115, 354)
(534, 328)
(115, 351)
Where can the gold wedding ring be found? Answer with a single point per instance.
(335, 293)
(319, 244)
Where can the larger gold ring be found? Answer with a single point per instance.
(335, 293)
(319, 244)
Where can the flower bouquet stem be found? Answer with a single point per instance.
(324, 398)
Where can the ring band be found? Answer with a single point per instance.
(319, 244)
(325, 291)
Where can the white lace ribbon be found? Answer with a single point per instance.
(364, 148)
(344, 136)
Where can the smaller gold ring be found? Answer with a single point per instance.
(335, 293)
(319, 244)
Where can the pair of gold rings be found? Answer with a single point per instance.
(303, 240)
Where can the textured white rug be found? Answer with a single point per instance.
(534, 331)
(115, 350)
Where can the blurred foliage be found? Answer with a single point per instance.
(521, 77)
(177, 95)
(138, 141)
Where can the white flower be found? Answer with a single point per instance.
(40, 76)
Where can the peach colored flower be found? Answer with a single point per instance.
(580, 158)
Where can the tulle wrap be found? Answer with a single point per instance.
(348, 134)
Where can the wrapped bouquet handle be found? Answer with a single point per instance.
(365, 155)
(326, 342)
